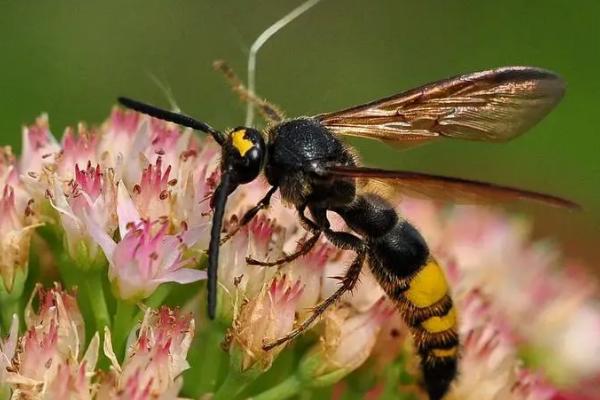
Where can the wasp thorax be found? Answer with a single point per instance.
(244, 154)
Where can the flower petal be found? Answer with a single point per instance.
(183, 275)
(126, 211)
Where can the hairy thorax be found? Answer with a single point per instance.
(299, 153)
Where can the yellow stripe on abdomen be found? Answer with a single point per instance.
(442, 353)
(440, 324)
(428, 286)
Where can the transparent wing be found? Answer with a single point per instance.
(495, 105)
(445, 188)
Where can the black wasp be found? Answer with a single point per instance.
(314, 170)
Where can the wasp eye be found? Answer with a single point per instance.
(246, 153)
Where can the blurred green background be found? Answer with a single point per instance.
(72, 58)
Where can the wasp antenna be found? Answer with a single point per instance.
(260, 41)
(180, 119)
(220, 199)
(167, 92)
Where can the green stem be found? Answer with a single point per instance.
(10, 302)
(212, 357)
(122, 325)
(350, 394)
(234, 383)
(156, 299)
(8, 307)
(95, 293)
(286, 389)
(391, 387)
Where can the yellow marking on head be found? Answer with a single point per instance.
(240, 142)
(440, 324)
(451, 352)
(428, 286)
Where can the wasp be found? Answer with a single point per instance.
(315, 172)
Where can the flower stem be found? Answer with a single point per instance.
(95, 293)
(234, 383)
(286, 389)
(393, 378)
(122, 324)
(156, 299)
(8, 307)
(211, 359)
(10, 302)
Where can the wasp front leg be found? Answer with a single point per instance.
(250, 214)
(305, 247)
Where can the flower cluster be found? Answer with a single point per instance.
(120, 215)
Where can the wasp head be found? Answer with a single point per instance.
(243, 154)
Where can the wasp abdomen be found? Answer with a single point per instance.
(400, 260)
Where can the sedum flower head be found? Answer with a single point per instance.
(266, 317)
(146, 257)
(48, 361)
(154, 361)
(129, 200)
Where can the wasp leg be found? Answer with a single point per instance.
(348, 282)
(306, 223)
(342, 240)
(251, 213)
(268, 111)
(305, 247)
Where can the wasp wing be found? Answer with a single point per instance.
(494, 105)
(446, 188)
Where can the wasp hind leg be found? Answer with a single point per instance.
(268, 111)
(348, 282)
(342, 240)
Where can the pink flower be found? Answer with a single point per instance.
(8, 348)
(72, 381)
(40, 148)
(142, 260)
(261, 238)
(122, 141)
(309, 270)
(16, 229)
(266, 317)
(154, 361)
(49, 352)
(152, 195)
(8, 168)
(90, 196)
(348, 339)
(77, 149)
